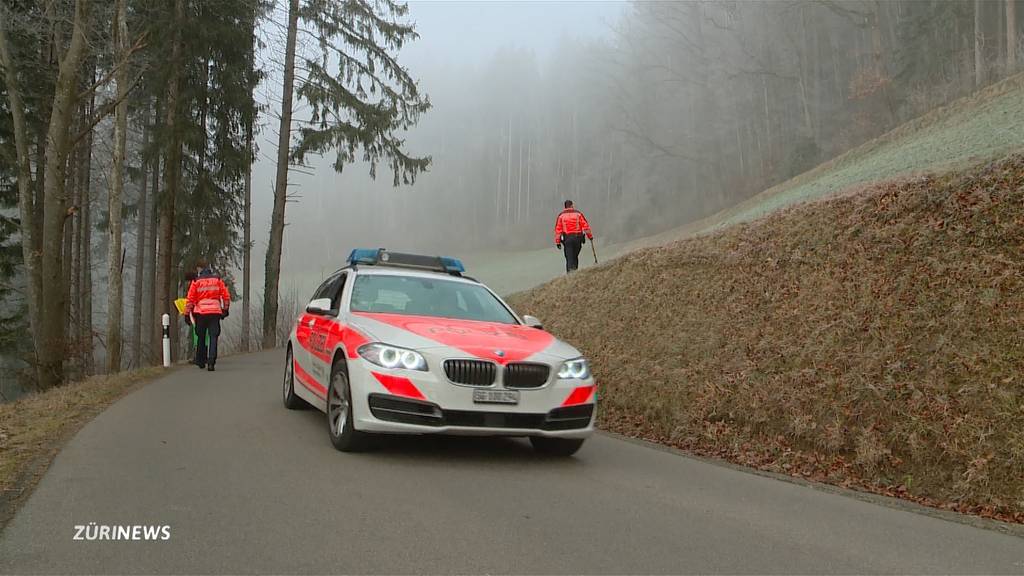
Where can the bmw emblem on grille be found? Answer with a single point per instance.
(500, 353)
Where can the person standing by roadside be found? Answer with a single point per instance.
(208, 303)
(571, 232)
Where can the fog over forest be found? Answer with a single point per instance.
(482, 64)
(647, 114)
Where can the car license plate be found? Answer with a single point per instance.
(496, 396)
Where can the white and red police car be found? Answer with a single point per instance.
(403, 343)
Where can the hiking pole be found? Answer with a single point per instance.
(593, 249)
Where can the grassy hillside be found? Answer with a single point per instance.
(982, 127)
(874, 339)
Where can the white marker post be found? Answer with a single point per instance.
(166, 320)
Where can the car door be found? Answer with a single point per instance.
(304, 353)
(327, 329)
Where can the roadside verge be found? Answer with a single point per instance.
(34, 428)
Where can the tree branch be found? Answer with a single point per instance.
(139, 45)
(106, 110)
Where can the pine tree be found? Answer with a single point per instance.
(359, 98)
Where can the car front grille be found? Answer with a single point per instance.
(470, 372)
(523, 375)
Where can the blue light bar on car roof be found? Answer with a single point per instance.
(452, 264)
(381, 257)
(364, 255)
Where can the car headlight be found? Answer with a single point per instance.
(577, 369)
(392, 357)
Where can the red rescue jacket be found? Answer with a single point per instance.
(571, 221)
(207, 295)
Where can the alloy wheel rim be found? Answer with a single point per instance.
(338, 407)
(288, 376)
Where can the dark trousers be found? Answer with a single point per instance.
(572, 244)
(207, 324)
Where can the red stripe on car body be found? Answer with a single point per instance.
(334, 332)
(580, 395)
(399, 386)
(350, 338)
(308, 381)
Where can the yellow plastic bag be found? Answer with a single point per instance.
(180, 304)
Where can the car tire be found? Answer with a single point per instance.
(556, 446)
(340, 423)
(291, 400)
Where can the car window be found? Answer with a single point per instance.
(336, 290)
(420, 296)
(324, 288)
(332, 289)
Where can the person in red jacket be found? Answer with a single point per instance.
(208, 303)
(570, 228)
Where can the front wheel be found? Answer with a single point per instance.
(556, 446)
(340, 423)
(291, 400)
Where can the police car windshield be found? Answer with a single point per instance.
(419, 296)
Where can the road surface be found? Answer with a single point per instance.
(247, 486)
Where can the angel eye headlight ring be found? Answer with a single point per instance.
(577, 369)
(392, 357)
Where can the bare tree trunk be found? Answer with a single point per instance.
(69, 228)
(85, 335)
(558, 180)
(805, 70)
(508, 174)
(151, 324)
(140, 250)
(979, 58)
(608, 186)
(767, 124)
(878, 57)
(1011, 36)
(247, 242)
(51, 334)
(519, 177)
(575, 157)
(739, 149)
(73, 254)
(172, 176)
(115, 198)
(272, 274)
(529, 166)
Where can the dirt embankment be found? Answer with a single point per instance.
(875, 340)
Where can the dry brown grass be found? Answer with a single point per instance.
(874, 340)
(33, 428)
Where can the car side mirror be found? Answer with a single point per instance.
(320, 307)
(533, 322)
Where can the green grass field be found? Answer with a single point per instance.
(984, 126)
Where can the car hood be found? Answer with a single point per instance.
(501, 343)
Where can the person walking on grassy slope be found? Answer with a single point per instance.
(571, 232)
(208, 302)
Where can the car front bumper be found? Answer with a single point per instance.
(397, 414)
(560, 409)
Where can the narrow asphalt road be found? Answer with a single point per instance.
(247, 486)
